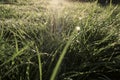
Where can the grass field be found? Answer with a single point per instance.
(59, 40)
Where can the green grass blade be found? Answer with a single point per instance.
(16, 44)
(40, 63)
(62, 56)
(16, 54)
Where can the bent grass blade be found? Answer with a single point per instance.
(62, 55)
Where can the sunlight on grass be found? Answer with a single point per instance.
(58, 4)
(55, 2)
(59, 40)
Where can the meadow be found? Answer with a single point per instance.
(59, 40)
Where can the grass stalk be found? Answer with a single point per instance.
(40, 63)
(55, 71)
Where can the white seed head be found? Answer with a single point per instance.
(80, 18)
(78, 28)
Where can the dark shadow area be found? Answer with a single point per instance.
(107, 2)
(81, 0)
(101, 2)
(8, 1)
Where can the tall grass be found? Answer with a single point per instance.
(37, 43)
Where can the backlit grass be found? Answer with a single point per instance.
(39, 41)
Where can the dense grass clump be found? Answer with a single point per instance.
(8, 1)
(73, 41)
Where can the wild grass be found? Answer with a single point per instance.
(40, 42)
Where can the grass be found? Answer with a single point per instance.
(39, 41)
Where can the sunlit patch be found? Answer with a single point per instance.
(57, 4)
(56, 9)
(54, 2)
